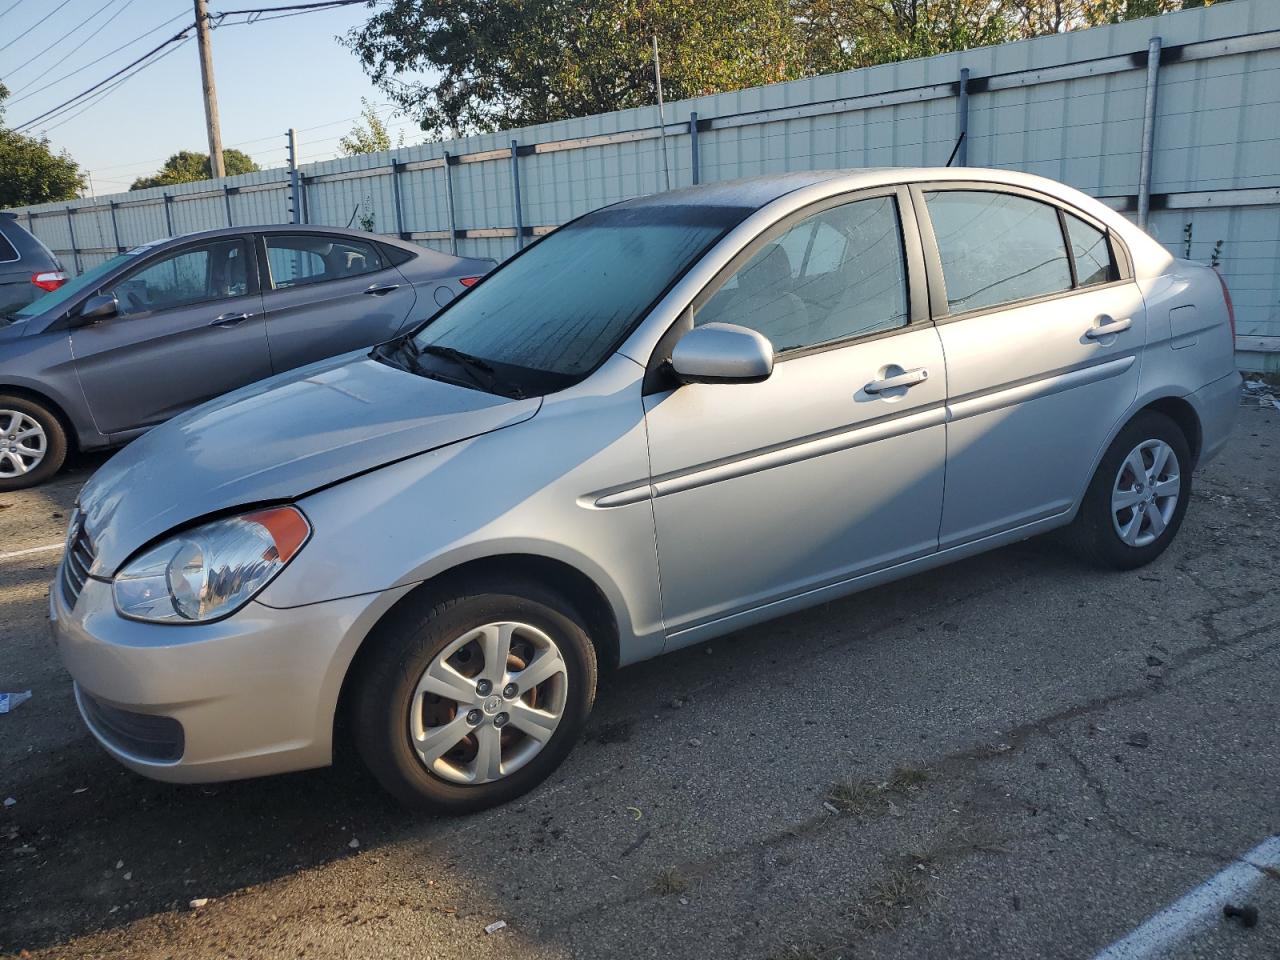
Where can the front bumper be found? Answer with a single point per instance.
(253, 694)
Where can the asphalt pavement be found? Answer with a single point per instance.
(1013, 757)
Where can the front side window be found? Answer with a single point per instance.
(301, 259)
(838, 274)
(209, 272)
(997, 248)
(551, 315)
(1092, 253)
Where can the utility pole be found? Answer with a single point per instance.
(210, 91)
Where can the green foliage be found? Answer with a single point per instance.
(30, 172)
(189, 166)
(507, 63)
(370, 136)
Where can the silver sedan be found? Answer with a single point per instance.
(669, 419)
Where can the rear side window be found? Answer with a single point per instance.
(1092, 253)
(997, 248)
(304, 259)
(6, 249)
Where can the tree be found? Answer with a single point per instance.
(508, 63)
(188, 166)
(30, 172)
(372, 137)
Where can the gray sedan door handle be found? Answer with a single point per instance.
(228, 320)
(1107, 327)
(908, 378)
(378, 289)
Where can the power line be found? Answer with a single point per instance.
(302, 7)
(34, 25)
(91, 63)
(10, 8)
(101, 83)
(67, 36)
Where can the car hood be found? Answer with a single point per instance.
(277, 440)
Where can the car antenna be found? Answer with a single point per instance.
(955, 149)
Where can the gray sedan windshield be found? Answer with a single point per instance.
(560, 308)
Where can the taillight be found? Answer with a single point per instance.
(50, 280)
(1231, 309)
(468, 281)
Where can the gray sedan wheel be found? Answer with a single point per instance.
(33, 444)
(1138, 497)
(461, 702)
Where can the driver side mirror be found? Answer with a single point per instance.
(99, 307)
(722, 353)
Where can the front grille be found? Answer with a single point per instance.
(143, 735)
(78, 560)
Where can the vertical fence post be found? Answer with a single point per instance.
(515, 194)
(31, 223)
(75, 251)
(168, 213)
(1148, 132)
(449, 161)
(306, 202)
(226, 195)
(395, 196)
(693, 146)
(115, 228)
(295, 181)
(962, 120)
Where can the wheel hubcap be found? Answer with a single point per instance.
(23, 443)
(465, 732)
(1145, 493)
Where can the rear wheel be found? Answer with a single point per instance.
(33, 444)
(473, 700)
(1135, 504)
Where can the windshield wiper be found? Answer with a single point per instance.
(480, 371)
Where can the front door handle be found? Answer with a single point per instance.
(378, 289)
(229, 320)
(1106, 327)
(908, 378)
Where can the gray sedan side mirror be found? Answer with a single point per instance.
(98, 307)
(722, 353)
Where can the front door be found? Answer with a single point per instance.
(823, 471)
(188, 328)
(1041, 333)
(329, 294)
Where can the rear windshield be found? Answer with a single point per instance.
(556, 312)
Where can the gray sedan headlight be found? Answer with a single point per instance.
(210, 571)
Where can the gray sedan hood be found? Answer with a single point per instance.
(277, 440)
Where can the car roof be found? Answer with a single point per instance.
(282, 228)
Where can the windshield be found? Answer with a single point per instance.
(551, 315)
(68, 290)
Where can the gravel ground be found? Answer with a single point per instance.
(1012, 757)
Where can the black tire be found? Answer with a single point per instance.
(1093, 532)
(55, 443)
(406, 643)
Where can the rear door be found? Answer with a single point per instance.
(189, 328)
(327, 294)
(1041, 327)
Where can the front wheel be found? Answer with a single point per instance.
(33, 444)
(475, 699)
(1138, 496)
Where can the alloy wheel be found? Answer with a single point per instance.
(488, 702)
(23, 444)
(1145, 494)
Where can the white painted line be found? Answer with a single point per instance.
(47, 548)
(1197, 908)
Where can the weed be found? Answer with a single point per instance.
(669, 881)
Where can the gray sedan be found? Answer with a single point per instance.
(667, 420)
(171, 324)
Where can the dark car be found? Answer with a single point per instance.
(28, 270)
(168, 325)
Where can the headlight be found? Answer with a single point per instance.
(210, 571)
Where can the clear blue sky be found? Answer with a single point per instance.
(271, 75)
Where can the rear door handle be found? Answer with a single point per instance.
(908, 378)
(1106, 327)
(378, 289)
(229, 320)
